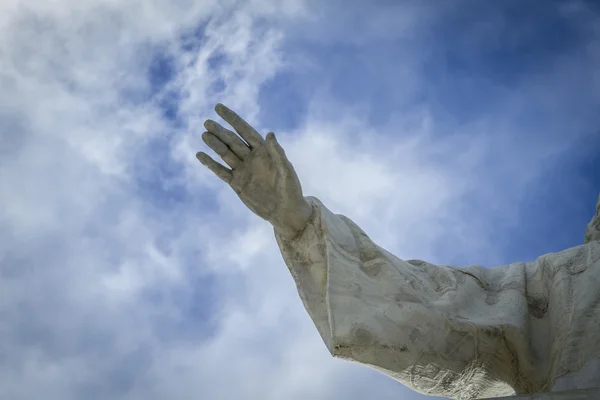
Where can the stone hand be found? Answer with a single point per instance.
(260, 173)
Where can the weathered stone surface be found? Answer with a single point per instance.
(463, 333)
(582, 394)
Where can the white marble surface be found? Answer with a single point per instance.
(463, 333)
(580, 394)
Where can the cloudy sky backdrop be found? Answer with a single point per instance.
(454, 131)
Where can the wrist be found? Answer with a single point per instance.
(294, 222)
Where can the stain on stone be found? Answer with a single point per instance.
(322, 248)
(342, 350)
(444, 281)
(417, 263)
(356, 289)
(460, 277)
(482, 283)
(363, 337)
(493, 331)
(392, 349)
(537, 306)
(371, 270)
(347, 248)
(399, 303)
(369, 254)
(454, 340)
(576, 263)
(415, 335)
(407, 296)
(439, 276)
(512, 285)
(492, 298)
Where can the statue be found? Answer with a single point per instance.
(463, 333)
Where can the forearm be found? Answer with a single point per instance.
(292, 219)
(398, 316)
(306, 259)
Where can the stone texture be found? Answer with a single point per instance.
(592, 232)
(459, 332)
(582, 394)
(463, 333)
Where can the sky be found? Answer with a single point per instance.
(457, 131)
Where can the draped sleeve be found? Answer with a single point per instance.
(462, 333)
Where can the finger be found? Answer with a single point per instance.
(214, 166)
(277, 152)
(221, 149)
(232, 140)
(250, 135)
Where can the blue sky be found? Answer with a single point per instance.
(457, 131)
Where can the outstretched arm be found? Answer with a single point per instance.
(444, 331)
(461, 333)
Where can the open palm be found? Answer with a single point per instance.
(260, 172)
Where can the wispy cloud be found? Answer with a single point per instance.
(127, 270)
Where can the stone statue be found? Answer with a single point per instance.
(463, 333)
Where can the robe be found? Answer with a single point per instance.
(458, 332)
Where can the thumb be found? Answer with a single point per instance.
(275, 150)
